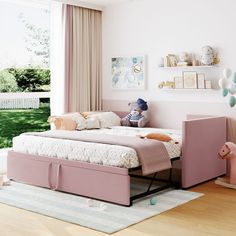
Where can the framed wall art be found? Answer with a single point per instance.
(179, 83)
(172, 60)
(201, 81)
(128, 72)
(190, 79)
(208, 84)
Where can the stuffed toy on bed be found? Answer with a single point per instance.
(62, 123)
(135, 118)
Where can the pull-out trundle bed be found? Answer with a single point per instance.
(201, 140)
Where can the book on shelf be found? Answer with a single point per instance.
(166, 61)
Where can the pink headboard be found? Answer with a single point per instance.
(121, 114)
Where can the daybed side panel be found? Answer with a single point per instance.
(202, 139)
(95, 181)
(28, 170)
(95, 184)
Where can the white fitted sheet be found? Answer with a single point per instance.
(97, 153)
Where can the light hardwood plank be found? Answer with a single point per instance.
(212, 214)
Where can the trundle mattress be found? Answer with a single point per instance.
(96, 153)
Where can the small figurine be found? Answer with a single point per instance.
(166, 84)
(216, 59)
(183, 57)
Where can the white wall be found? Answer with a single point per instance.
(158, 27)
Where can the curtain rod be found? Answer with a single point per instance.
(82, 4)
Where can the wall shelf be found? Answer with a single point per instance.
(197, 69)
(186, 67)
(188, 90)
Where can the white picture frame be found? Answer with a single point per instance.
(208, 84)
(172, 60)
(179, 82)
(201, 81)
(128, 72)
(190, 79)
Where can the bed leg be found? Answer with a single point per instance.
(130, 202)
(170, 175)
(151, 183)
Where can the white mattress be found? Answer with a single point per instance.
(104, 154)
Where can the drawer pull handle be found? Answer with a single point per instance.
(58, 177)
(49, 175)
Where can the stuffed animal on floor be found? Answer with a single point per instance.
(228, 151)
(135, 118)
(4, 181)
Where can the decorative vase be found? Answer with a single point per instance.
(207, 56)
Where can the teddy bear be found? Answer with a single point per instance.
(135, 118)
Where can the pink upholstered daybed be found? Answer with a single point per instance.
(201, 140)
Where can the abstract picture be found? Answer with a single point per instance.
(128, 72)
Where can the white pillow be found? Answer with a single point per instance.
(92, 123)
(106, 119)
(81, 123)
(78, 118)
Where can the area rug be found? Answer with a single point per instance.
(96, 215)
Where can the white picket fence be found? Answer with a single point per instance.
(22, 100)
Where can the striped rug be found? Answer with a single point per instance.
(104, 217)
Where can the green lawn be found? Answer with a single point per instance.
(15, 122)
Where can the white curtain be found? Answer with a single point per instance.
(57, 56)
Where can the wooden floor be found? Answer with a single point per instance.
(212, 214)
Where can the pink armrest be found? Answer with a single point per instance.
(202, 139)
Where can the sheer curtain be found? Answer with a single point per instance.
(83, 34)
(77, 57)
(57, 57)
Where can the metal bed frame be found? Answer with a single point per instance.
(166, 183)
